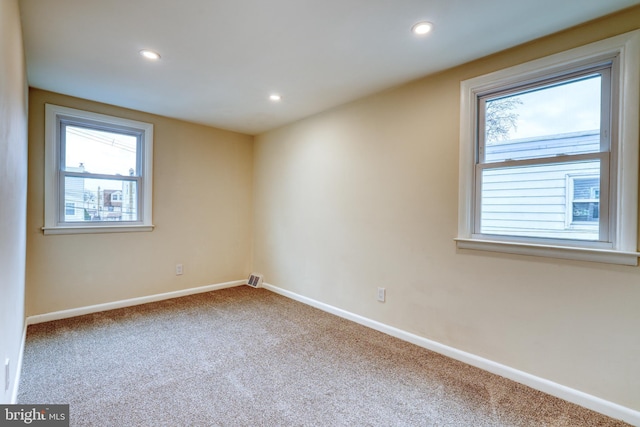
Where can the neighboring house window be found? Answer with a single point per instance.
(548, 155)
(584, 201)
(91, 160)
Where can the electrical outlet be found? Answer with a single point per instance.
(382, 294)
(179, 269)
(7, 370)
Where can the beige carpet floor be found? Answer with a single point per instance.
(249, 357)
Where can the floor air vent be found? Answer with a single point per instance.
(255, 281)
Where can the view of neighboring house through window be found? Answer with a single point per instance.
(97, 172)
(549, 155)
(543, 155)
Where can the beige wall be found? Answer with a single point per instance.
(202, 188)
(365, 196)
(13, 190)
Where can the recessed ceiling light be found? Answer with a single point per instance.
(275, 97)
(422, 28)
(149, 54)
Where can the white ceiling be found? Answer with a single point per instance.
(222, 58)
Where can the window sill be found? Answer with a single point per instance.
(100, 229)
(551, 251)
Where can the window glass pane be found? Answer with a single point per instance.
(536, 201)
(586, 188)
(559, 119)
(101, 152)
(100, 200)
(586, 200)
(586, 212)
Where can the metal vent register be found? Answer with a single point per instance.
(255, 280)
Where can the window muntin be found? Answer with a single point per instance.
(100, 165)
(530, 139)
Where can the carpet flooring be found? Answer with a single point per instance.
(249, 357)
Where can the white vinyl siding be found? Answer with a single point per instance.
(552, 145)
(535, 201)
(532, 201)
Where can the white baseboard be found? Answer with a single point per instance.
(16, 379)
(64, 314)
(585, 400)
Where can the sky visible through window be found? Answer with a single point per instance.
(564, 108)
(100, 152)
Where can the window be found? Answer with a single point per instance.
(583, 202)
(92, 162)
(70, 209)
(531, 138)
(548, 156)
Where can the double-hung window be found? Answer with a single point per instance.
(98, 172)
(549, 155)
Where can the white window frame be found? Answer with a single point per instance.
(624, 206)
(53, 221)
